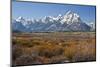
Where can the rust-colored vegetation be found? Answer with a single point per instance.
(56, 47)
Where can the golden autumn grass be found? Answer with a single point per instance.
(54, 47)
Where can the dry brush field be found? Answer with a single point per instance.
(54, 47)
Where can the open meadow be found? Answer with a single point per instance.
(53, 47)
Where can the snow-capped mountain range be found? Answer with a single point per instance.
(71, 21)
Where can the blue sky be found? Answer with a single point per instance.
(39, 10)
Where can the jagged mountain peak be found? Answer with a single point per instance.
(20, 18)
(71, 17)
(70, 12)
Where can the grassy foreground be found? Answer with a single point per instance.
(54, 47)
